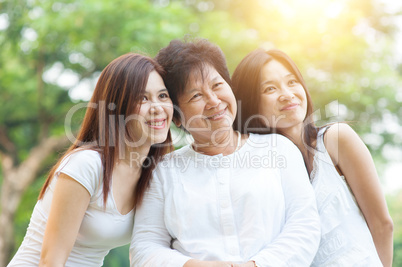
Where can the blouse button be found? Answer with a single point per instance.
(226, 219)
(221, 180)
(225, 204)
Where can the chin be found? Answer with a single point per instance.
(158, 139)
(223, 123)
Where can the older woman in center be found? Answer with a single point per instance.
(227, 199)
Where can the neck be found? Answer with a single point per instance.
(134, 157)
(224, 143)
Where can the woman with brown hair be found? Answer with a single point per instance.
(356, 228)
(227, 199)
(86, 206)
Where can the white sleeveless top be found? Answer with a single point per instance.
(345, 237)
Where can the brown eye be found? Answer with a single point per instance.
(293, 82)
(269, 89)
(196, 96)
(216, 85)
(164, 95)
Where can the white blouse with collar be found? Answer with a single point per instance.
(255, 204)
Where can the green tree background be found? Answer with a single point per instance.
(51, 53)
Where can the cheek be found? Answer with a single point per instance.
(143, 110)
(267, 115)
(226, 95)
(189, 115)
(266, 106)
(232, 105)
(230, 96)
(169, 110)
(302, 94)
(304, 101)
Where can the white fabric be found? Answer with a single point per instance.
(346, 239)
(255, 204)
(100, 231)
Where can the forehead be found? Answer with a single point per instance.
(155, 82)
(201, 76)
(274, 69)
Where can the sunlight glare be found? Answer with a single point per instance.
(290, 8)
(334, 9)
(4, 22)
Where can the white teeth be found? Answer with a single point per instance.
(217, 115)
(156, 123)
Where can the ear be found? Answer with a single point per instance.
(177, 122)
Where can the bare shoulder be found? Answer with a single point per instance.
(339, 132)
(340, 138)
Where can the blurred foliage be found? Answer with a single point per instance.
(52, 50)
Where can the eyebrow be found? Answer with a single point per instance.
(268, 82)
(199, 89)
(161, 90)
(216, 78)
(191, 91)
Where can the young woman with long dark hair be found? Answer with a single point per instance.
(86, 206)
(356, 228)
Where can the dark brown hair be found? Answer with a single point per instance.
(181, 58)
(246, 81)
(118, 92)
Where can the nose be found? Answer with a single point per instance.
(156, 108)
(212, 101)
(286, 94)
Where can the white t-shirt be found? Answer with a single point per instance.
(255, 204)
(346, 239)
(101, 229)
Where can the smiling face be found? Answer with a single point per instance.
(207, 105)
(283, 100)
(152, 121)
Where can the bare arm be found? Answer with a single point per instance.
(70, 201)
(351, 156)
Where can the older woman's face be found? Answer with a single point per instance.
(207, 105)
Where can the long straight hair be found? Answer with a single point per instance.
(246, 87)
(117, 93)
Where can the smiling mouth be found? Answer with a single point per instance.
(290, 107)
(156, 124)
(218, 115)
